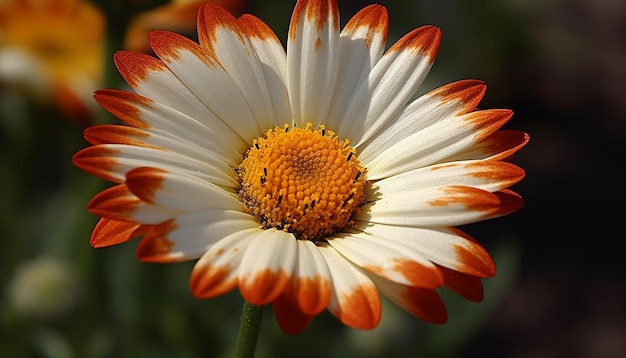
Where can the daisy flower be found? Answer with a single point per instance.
(307, 179)
(53, 49)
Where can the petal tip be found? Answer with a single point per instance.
(424, 40)
(317, 12)
(469, 92)
(263, 287)
(145, 182)
(109, 232)
(208, 281)
(361, 308)
(156, 248)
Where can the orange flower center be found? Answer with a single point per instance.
(304, 181)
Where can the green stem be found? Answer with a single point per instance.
(251, 317)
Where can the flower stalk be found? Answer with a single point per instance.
(251, 318)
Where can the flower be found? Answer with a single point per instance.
(54, 50)
(178, 16)
(306, 179)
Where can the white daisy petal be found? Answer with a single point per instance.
(117, 202)
(446, 247)
(311, 281)
(435, 142)
(388, 259)
(155, 139)
(500, 145)
(312, 58)
(485, 175)
(193, 66)
(267, 266)
(151, 78)
(423, 303)
(217, 271)
(273, 59)
(354, 300)
(390, 84)
(220, 35)
(432, 206)
(179, 191)
(362, 43)
(113, 161)
(454, 99)
(208, 133)
(189, 235)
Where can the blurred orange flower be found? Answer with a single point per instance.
(178, 16)
(53, 49)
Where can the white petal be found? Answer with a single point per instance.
(157, 139)
(429, 145)
(117, 202)
(271, 53)
(500, 145)
(206, 132)
(453, 99)
(189, 235)
(311, 279)
(114, 161)
(432, 206)
(423, 303)
(354, 300)
(221, 36)
(446, 247)
(217, 271)
(362, 43)
(146, 213)
(390, 85)
(151, 78)
(179, 191)
(207, 80)
(486, 175)
(310, 261)
(388, 259)
(267, 266)
(312, 57)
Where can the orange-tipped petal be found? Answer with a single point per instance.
(289, 317)
(423, 303)
(467, 286)
(355, 300)
(267, 265)
(109, 232)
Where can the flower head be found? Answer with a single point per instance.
(306, 179)
(54, 50)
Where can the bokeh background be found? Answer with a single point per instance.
(560, 290)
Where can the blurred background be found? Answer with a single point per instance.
(560, 290)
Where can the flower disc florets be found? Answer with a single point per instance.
(304, 181)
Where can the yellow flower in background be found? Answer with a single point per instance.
(178, 16)
(53, 49)
(308, 179)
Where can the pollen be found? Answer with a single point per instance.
(304, 181)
